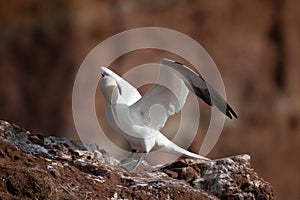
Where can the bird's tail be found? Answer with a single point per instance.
(171, 147)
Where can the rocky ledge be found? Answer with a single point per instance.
(34, 166)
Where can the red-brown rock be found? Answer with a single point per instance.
(40, 167)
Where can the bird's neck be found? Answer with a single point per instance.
(111, 94)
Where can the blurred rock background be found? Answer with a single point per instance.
(255, 44)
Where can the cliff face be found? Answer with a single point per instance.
(47, 167)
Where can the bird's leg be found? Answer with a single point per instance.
(133, 164)
(129, 157)
(133, 151)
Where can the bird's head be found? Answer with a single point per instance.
(109, 88)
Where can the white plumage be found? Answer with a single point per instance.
(140, 118)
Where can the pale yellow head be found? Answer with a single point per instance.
(110, 90)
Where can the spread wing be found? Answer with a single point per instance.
(196, 83)
(168, 95)
(129, 93)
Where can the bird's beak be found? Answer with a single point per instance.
(102, 71)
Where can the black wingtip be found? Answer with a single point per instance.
(204, 92)
(230, 112)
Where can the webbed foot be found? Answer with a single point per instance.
(131, 164)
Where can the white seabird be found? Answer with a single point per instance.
(140, 118)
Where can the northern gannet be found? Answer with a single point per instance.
(140, 118)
